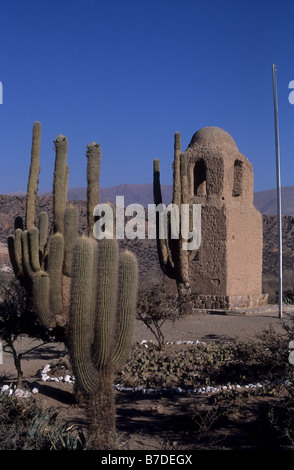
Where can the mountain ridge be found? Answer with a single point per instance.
(265, 201)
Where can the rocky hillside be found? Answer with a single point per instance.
(11, 206)
(264, 201)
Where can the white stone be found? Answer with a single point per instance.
(4, 388)
(45, 377)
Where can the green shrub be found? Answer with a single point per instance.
(26, 425)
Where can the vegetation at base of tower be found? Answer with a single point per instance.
(81, 285)
(174, 261)
(154, 307)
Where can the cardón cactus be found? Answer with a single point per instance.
(173, 259)
(41, 261)
(102, 311)
(81, 284)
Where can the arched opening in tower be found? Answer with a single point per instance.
(238, 175)
(200, 178)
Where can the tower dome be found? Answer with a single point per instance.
(210, 137)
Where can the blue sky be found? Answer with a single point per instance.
(130, 73)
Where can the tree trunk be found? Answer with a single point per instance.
(185, 303)
(17, 363)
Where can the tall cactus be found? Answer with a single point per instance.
(102, 311)
(173, 259)
(41, 260)
(81, 284)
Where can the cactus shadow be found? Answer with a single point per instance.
(57, 393)
(218, 338)
(149, 420)
(46, 352)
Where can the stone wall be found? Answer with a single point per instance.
(219, 302)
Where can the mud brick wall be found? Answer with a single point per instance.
(229, 261)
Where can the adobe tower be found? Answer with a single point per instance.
(227, 269)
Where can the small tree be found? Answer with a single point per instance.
(17, 320)
(155, 306)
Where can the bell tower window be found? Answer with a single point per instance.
(200, 178)
(238, 176)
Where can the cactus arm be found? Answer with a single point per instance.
(177, 186)
(126, 305)
(184, 180)
(43, 231)
(183, 255)
(27, 269)
(33, 240)
(163, 250)
(33, 181)
(173, 259)
(71, 223)
(54, 269)
(15, 253)
(157, 197)
(93, 154)
(80, 321)
(106, 298)
(41, 294)
(66, 182)
(60, 178)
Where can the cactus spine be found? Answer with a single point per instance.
(174, 261)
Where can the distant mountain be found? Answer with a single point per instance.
(17, 193)
(133, 193)
(264, 201)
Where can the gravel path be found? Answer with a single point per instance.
(237, 325)
(202, 326)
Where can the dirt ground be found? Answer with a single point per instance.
(158, 422)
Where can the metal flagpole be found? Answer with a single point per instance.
(278, 187)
